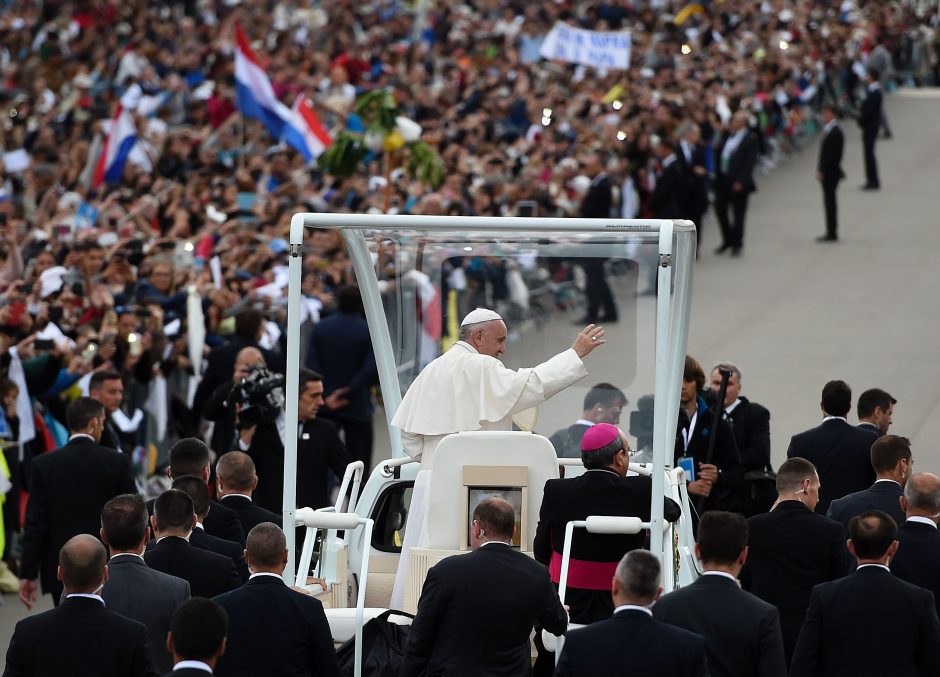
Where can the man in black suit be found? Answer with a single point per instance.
(792, 548)
(340, 348)
(918, 558)
(133, 589)
(850, 619)
(839, 451)
(603, 490)
(875, 408)
(108, 388)
(691, 156)
(493, 595)
(68, 488)
(870, 121)
(220, 405)
(602, 404)
(197, 638)
(208, 573)
(274, 630)
(719, 485)
(597, 204)
(670, 187)
(742, 632)
(81, 636)
(196, 489)
(662, 650)
(190, 456)
(892, 461)
(319, 450)
(829, 170)
(737, 155)
(750, 422)
(236, 480)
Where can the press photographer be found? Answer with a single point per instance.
(259, 405)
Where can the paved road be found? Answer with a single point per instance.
(795, 314)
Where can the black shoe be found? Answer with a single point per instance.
(722, 249)
(827, 238)
(583, 322)
(868, 187)
(735, 251)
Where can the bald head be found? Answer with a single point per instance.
(236, 474)
(922, 496)
(266, 549)
(82, 563)
(245, 360)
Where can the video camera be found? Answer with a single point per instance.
(260, 396)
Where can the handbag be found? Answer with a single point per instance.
(383, 647)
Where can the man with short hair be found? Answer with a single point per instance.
(893, 463)
(792, 548)
(875, 408)
(494, 595)
(108, 388)
(737, 156)
(870, 622)
(197, 638)
(190, 456)
(81, 636)
(236, 480)
(663, 650)
(220, 406)
(208, 573)
(67, 490)
(750, 645)
(604, 489)
(197, 490)
(829, 169)
(133, 589)
(602, 404)
(869, 120)
(840, 452)
(274, 630)
(918, 558)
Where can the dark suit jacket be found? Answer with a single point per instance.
(249, 514)
(790, 550)
(693, 200)
(221, 412)
(662, 650)
(884, 496)
(871, 426)
(234, 551)
(220, 366)
(830, 155)
(140, 593)
(187, 672)
(918, 558)
(742, 632)
(276, 632)
(842, 456)
(319, 450)
(740, 164)
(596, 492)
(751, 425)
(494, 596)
(341, 350)
(80, 638)
(567, 441)
(597, 201)
(209, 574)
(870, 117)
(729, 491)
(849, 619)
(668, 193)
(221, 522)
(68, 488)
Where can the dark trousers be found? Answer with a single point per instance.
(732, 229)
(598, 292)
(358, 438)
(832, 210)
(871, 163)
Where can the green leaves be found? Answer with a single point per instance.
(424, 164)
(343, 156)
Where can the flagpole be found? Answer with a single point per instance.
(241, 155)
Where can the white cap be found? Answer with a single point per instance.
(480, 315)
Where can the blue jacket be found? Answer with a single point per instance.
(340, 349)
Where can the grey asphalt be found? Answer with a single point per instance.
(793, 313)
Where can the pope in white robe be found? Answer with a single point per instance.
(468, 388)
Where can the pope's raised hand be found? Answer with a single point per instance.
(590, 338)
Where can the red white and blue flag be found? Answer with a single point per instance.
(121, 139)
(256, 99)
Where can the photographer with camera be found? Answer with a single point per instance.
(259, 399)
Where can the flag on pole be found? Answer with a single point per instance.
(255, 98)
(121, 139)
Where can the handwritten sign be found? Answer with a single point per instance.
(609, 50)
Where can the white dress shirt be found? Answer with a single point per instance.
(195, 665)
(633, 607)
